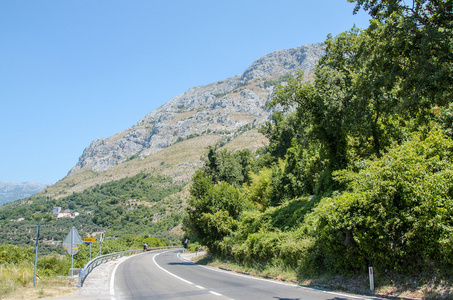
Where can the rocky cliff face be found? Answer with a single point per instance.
(224, 108)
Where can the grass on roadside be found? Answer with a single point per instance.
(389, 284)
(16, 282)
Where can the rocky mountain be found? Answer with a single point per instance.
(161, 150)
(13, 191)
(224, 108)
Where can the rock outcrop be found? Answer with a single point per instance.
(224, 107)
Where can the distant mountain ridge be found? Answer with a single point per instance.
(10, 191)
(222, 108)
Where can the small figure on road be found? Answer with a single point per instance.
(186, 243)
(145, 247)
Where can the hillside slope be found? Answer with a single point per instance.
(220, 111)
(102, 192)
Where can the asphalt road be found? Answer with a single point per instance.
(165, 275)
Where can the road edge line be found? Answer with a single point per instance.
(170, 273)
(112, 278)
(278, 282)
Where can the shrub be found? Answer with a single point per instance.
(10, 254)
(52, 265)
(396, 211)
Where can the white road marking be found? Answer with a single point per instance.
(214, 293)
(182, 279)
(112, 283)
(112, 279)
(273, 281)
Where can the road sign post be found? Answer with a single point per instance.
(89, 241)
(101, 240)
(71, 241)
(36, 255)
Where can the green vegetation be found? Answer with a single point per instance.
(219, 95)
(142, 205)
(283, 78)
(17, 263)
(360, 173)
(130, 212)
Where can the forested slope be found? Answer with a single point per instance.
(361, 172)
(141, 205)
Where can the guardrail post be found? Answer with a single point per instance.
(371, 273)
(81, 277)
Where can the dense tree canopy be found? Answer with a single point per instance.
(370, 138)
(412, 45)
(141, 204)
(396, 209)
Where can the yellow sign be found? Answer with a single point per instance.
(90, 240)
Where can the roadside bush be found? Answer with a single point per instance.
(53, 265)
(194, 247)
(214, 210)
(396, 212)
(288, 250)
(294, 249)
(10, 254)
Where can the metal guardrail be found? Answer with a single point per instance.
(83, 273)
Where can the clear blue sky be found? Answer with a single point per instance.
(73, 71)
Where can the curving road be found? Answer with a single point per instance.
(165, 275)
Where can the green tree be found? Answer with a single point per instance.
(412, 49)
(213, 210)
(294, 158)
(260, 188)
(396, 211)
(324, 107)
(231, 167)
(280, 130)
(298, 174)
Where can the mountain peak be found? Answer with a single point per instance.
(221, 108)
(284, 61)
